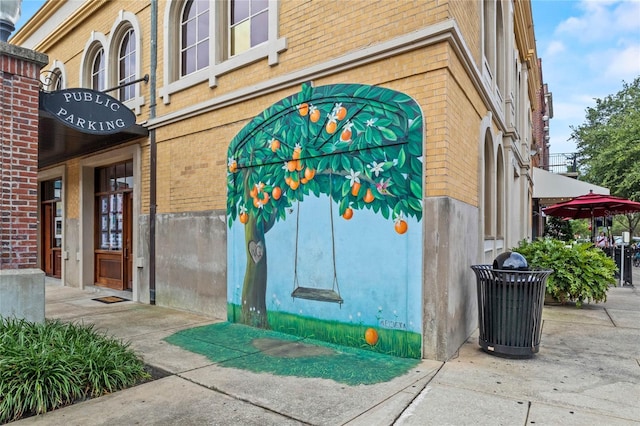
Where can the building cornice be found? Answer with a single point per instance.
(526, 45)
(46, 13)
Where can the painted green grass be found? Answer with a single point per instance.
(400, 343)
(267, 351)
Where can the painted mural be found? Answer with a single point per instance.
(324, 212)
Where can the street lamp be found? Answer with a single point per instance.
(9, 15)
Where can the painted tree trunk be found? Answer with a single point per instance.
(254, 288)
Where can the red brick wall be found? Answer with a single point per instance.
(19, 83)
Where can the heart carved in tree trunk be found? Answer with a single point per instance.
(256, 250)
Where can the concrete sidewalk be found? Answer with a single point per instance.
(587, 372)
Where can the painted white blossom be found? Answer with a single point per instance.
(353, 177)
(376, 168)
(371, 122)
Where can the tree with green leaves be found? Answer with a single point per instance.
(359, 145)
(558, 228)
(609, 146)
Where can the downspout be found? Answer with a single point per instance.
(153, 153)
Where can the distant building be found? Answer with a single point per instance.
(156, 210)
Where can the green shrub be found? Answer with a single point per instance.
(48, 365)
(582, 273)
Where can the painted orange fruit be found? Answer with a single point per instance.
(348, 213)
(254, 192)
(275, 145)
(299, 165)
(341, 113)
(296, 153)
(315, 115)
(331, 127)
(244, 217)
(303, 109)
(401, 226)
(294, 184)
(368, 197)
(233, 167)
(345, 136)
(291, 165)
(371, 336)
(309, 173)
(355, 188)
(276, 193)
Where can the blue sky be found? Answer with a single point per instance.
(588, 48)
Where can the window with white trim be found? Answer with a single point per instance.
(194, 37)
(127, 65)
(248, 25)
(98, 71)
(124, 64)
(240, 32)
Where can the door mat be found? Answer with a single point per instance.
(110, 299)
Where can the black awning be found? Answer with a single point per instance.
(58, 142)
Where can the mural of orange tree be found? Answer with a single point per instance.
(359, 145)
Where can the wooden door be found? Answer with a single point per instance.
(47, 237)
(114, 255)
(127, 235)
(51, 241)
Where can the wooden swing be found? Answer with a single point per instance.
(314, 293)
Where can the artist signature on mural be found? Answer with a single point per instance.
(399, 325)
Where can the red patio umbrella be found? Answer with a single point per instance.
(592, 205)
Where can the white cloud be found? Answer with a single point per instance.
(623, 64)
(556, 47)
(627, 17)
(601, 21)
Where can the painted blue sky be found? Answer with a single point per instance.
(588, 48)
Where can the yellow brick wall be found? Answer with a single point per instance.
(72, 189)
(468, 16)
(192, 153)
(330, 30)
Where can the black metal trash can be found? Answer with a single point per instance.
(510, 310)
(628, 264)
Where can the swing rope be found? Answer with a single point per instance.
(318, 294)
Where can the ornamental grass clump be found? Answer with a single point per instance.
(44, 366)
(582, 272)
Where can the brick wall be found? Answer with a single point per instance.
(19, 72)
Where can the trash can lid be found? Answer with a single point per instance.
(511, 260)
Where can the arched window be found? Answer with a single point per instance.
(500, 195)
(53, 80)
(127, 65)
(489, 176)
(489, 34)
(194, 36)
(98, 71)
(501, 51)
(123, 59)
